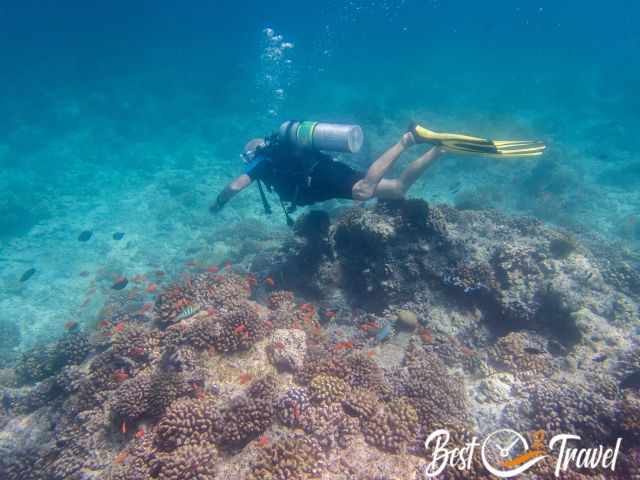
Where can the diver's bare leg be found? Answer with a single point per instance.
(397, 187)
(366, 188)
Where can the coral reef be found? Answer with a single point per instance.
(42, 362)
(132, 398)
(561, 407)
(280, 299)
(287, 349)
(188, 462)
(520, 354)
(189, 421)
(292, 406)
(401, 319)
(249, 415)
(295, 456)
(361, 403)
(394, 430)
(325, 388)
(9, 339)
(329, 425)
(240, 329)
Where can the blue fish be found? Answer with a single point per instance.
(120, 283)
(384, 333)
(118, 235)
(85, 236)
(27, 275)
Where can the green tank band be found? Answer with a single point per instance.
(305, 134)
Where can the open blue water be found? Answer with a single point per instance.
(129, 116)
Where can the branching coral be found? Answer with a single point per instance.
(558, 407)
(325, 388)
(280, 299)
(287, 348)
(248, 416)
(439, 398)
(189, 421)
(241, 328)
(292, 406)
(165, 388)
(517, 353)
(42, 362)
(630, 415)
(132, 398)
(134, 341)
(394, 430)
(361, 403)
(189, 462)
(294, 457)
(329, 425)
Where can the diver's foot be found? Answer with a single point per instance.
(408, 140)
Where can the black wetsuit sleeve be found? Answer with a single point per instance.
(257, 168)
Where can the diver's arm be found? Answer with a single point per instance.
(237, 185)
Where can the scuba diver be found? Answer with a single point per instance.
(291, 162)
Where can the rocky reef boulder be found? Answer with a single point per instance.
(520, 273)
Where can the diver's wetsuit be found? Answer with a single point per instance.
(304, 178)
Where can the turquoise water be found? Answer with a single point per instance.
(129, 117)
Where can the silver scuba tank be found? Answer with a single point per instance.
(333, 137)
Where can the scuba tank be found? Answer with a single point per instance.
(333, 137)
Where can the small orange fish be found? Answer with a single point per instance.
(466, 351)
(146, 307)
(198, 391)
(213, 269)
(343, 346)
(120, 376)
(71, 325)
(140, 433)
(123, 427)
(370, 353)
(263, 441)
(244, 378)
(104, 324)
(239, 329)
(151, 288)
(425, 335)
(138, 351)
(122, 456)
(269, 281)
(296, 412)
(119, 327)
